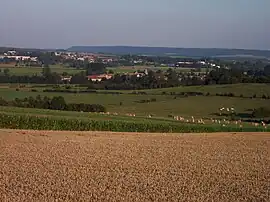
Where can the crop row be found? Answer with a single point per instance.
(14, 121)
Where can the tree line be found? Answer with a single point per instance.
(152, 80)
(55, 103)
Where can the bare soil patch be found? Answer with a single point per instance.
(102, 166)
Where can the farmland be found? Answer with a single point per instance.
(23, 71)
(85, 166)
(165, 104)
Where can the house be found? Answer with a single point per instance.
(11, 53)
(99, 77)
(19, 57)
(66, 79)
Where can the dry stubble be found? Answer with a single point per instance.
(100, 166)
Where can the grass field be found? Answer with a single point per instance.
(237, 89)
(13, 70)
(99, 166)
(22, 71)
(198, 106)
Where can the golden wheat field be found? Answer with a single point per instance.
(101, 166)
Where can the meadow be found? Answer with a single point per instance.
(164, 104)
(22, 71)
(29, 71)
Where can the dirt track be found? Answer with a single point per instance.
(99, 166)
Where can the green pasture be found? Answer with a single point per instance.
(247, 90)
(23, 71)
(197, 106)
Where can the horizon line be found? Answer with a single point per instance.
(133, 46)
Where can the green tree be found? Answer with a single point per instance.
(6, 72)
(95, 68)
(111, 71)
(267, 70)
(58, 103)
(46, 72)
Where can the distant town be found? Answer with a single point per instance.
(79, 61)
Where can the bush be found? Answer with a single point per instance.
(56, 103)
(261, 112)
(33, 90)
(147, 101)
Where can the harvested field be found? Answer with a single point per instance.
(99, 166)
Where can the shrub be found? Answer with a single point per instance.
(147, 101)
(261, 112)
(56, 103)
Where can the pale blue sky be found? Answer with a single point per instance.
(177, 23)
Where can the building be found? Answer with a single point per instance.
(66, 79)
(99, 77)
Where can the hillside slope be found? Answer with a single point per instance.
(188, 52)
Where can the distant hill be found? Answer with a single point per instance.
(185, 52)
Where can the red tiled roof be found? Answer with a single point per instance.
(93, 76)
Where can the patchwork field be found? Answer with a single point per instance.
(165, 104)
(99, 166)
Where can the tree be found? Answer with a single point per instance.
(79, 78)
(6, 72)
(64, 74)
(58, 103)
(267, 70)
(46, 72)
(95, 68)
(111, 71)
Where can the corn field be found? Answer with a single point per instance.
(14, 121)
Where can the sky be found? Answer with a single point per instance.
(167, 23)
